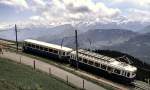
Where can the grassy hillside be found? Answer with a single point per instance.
(15, 76)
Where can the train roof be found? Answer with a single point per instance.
(58, 47)
(112, 62)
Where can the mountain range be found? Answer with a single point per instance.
(97, 38)
(145, 29)
(92, 36)
(37, 32)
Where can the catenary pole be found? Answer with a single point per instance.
(76, 40)
(16, 37)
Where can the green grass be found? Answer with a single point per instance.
(15, 76)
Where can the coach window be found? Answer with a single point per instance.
(50, 50)
(103, 66)
(109, 68)
(33, 46)
(128, 74)
(37, 46)
(55, 51)
(117, 71)
(45, 49)
(29, 45)
(91, 62)
(63, 53)
(41, 48)
(84, 60)
(97, 64)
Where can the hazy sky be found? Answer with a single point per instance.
(72, 11)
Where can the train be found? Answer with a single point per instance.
(90, 61)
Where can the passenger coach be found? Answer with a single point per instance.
(104, 65)
(93, 62)
(46, 49)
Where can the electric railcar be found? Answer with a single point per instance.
(99, 64)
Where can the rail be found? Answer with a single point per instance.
(140, 86)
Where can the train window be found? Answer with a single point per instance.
(117, 71)
(91, 62)
(97, 64)
(50, 50)
(33, 46)
(128, 74)
(109, 68)
(29, 45)
(103, 66)
(37, 47)
(55, 51)
(63, 53)
(84, 60)
(45, 49)
(80, 59)
(41, 48)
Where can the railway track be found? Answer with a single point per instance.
(140, 86)
(5, 44)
